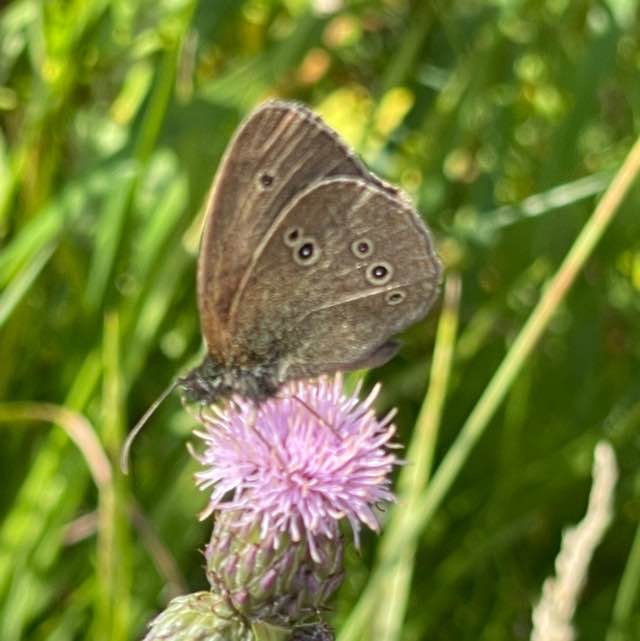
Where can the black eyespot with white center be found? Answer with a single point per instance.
(292, 236)
(266, 180)
(306, 252)
(379, 273)
(362, 248)
(395, 297)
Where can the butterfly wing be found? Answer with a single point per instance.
(276, 153)
(344, 266)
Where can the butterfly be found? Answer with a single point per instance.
(308, 262)
(308, 265)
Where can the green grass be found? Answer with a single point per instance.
(505, 122)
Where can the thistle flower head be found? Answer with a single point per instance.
(297, 463)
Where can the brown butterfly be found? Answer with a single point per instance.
(308, 264)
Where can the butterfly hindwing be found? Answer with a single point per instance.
(344, 266)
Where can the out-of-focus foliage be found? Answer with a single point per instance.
(503, 120)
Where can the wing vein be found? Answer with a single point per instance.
(357, 296)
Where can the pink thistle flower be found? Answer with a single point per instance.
(298, 463)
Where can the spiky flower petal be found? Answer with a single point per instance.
(296, 464)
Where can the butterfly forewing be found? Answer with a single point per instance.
(279, 150)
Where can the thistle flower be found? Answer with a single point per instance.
(281, 476)
(298, 463)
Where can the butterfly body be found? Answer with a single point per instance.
(308, 262)
(211, 381)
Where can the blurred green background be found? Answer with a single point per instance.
(503, 120)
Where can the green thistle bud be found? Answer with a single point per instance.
(202, 616)
(277, 580)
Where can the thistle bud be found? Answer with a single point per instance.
(201, 616)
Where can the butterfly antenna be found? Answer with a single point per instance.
(131, 437)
